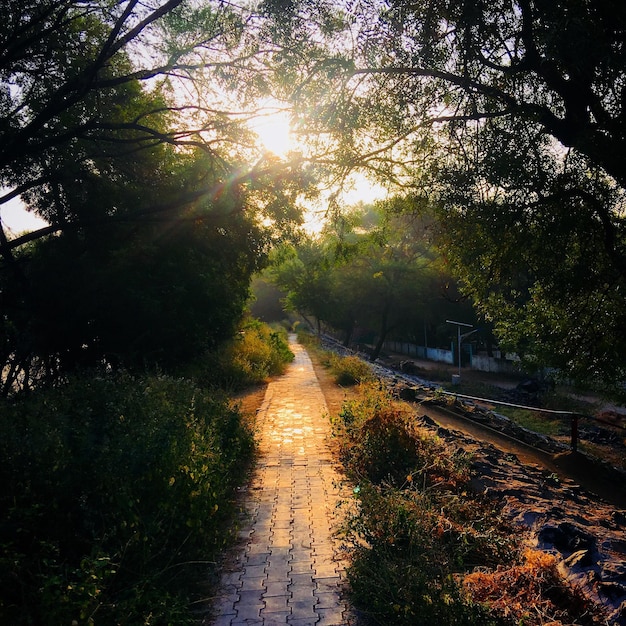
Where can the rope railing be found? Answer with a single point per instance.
(574, 417)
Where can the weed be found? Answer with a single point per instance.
(414, 525)
(531, 592)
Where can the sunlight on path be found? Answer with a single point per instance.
(289, 572)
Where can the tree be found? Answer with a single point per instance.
(154, 216)
(375, 271)
(304, 273)
(510, 117)
(84, 88)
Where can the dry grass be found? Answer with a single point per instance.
(531, 593)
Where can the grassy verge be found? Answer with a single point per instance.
(347, 371)
(118, 492)
(415, 528)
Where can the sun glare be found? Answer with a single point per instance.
(16, 219)
(274, 133)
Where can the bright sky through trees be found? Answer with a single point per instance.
(274, 133)
(17, 219)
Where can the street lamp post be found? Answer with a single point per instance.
(458, 329)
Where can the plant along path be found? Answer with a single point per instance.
(290, 571)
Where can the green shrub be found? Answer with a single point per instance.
(307, 339)
(347, 370)
(416, 526)
(255, 354)
(112, 486)
(399, 573)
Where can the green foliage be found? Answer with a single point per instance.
(158, 224)
(509, 119)
(374, 272)
(307, 339)
(403, 576)
(347, 370)
(253, 355)
(162, 294)
(416, 526)
(113, 487)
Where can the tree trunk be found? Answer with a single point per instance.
(381, 337)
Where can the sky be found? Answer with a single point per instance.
(16, 219)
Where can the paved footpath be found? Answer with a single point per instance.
(290, 571)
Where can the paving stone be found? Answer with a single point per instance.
(301, 553)
(280, 537)
(276, 604)
(289, 572)
(275, 619)
(324, 570)
(283, 523)
(301, 607)
(276, 575)
(302, 567)
(251, 596)
(302, 579)
(253, 584)
(327, 599)
(331, 617)
(308, 617)
(254, 571)
(281, 552)
(277, 589)
(256, 558)
(328, 584)
(248, 612)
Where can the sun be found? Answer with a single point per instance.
(272, 128)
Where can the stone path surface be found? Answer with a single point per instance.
(290, 570)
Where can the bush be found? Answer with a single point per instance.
(415, 527)
(533, 591)
(347, 370)
(401, 575)
(112, 486)
(255, 354)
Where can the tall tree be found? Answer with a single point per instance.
(158, 221)
(510, 118)
(85, 87)
(375, 272)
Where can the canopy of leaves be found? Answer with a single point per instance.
(156, 224)
(374, 274)
(510, 118)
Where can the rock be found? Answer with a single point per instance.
(566, 538)
(408, 367)
(408, 393)
(618, 518)
(612, 590)
(579, 560)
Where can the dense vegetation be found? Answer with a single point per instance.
(508, 120)
(118, 491)
(123, 125)
(374, 276)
